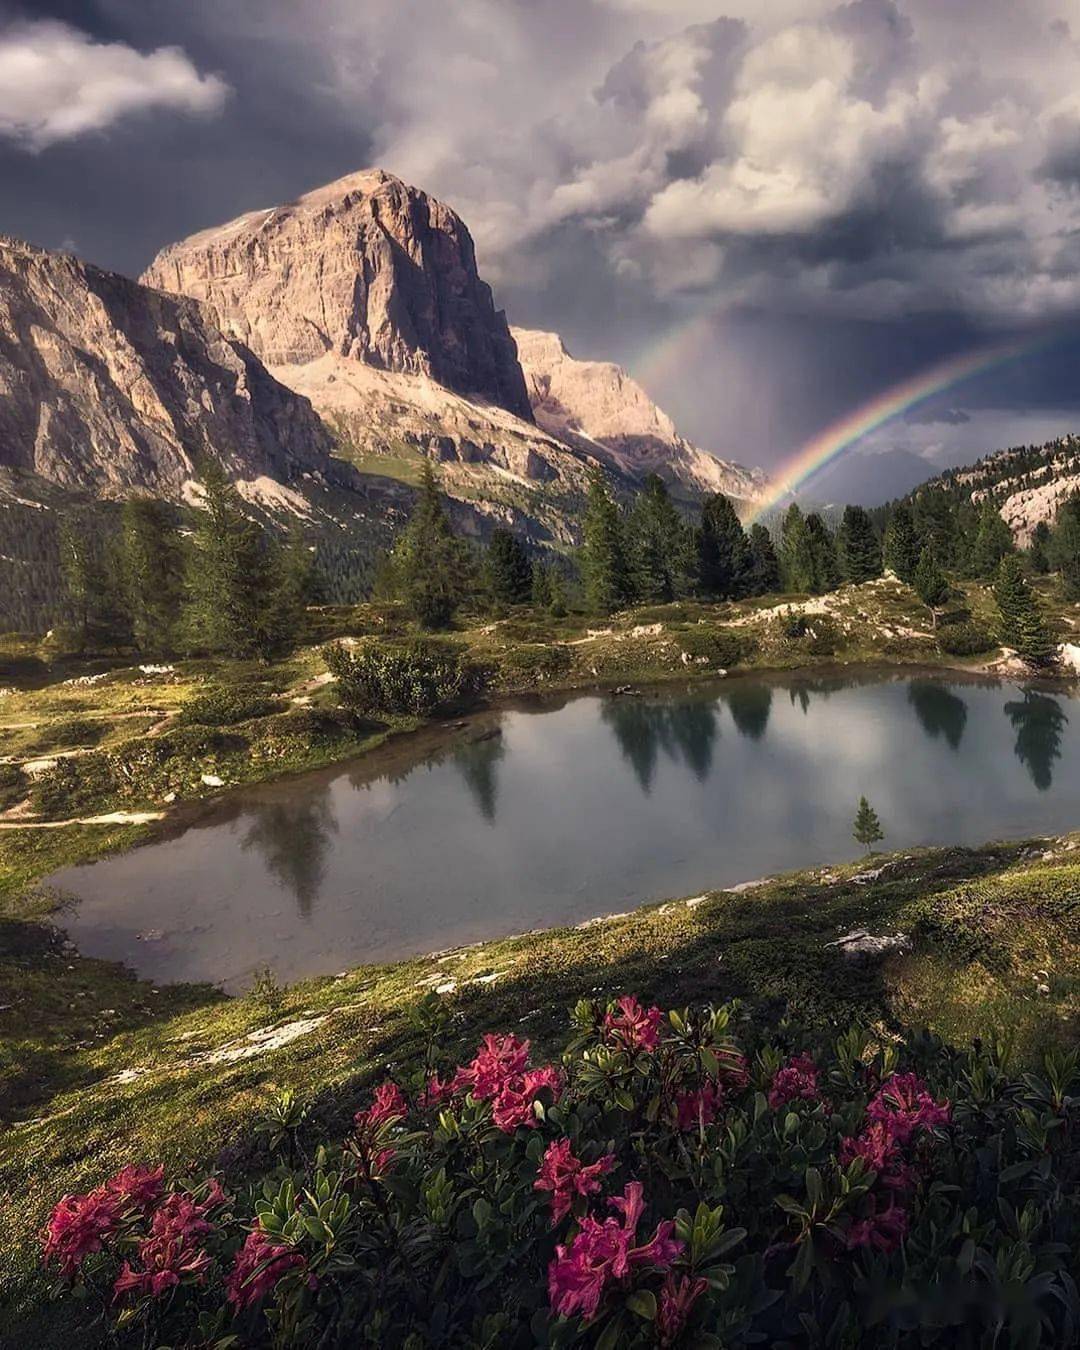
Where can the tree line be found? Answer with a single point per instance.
(225, 586)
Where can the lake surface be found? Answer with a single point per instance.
(554, 812)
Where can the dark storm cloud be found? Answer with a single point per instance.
(950, 417)
(833, 196)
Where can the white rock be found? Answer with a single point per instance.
(212, 780)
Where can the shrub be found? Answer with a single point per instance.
(522, 666)
(73, 785)
(224, 707)
(656, 1186)
(965, 639)
(13, 786)
(824, 636)
(717, 646)
(414, 677)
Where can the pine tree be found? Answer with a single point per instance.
(867, 826)
(296, 585)
(796, 552)
(230, 576)
(993, 540)
(1065, 545)
(764, 564)
(826, 565)
(90, 565)
(507, 570)
(429, 565)
(931, 584)
(1039, 552)
(936, 525)
(724, 560)
(901, 546)
(605, 565)
(152, 568)
(860, 549)
(659, 544)
(1021, 622)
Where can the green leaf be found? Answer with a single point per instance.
(642, 1302)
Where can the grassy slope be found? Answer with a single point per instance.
(989, 922)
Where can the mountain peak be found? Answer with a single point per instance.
(367, 268)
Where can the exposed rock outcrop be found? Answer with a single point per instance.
(109, 387)
(365, 268)
(598, 406)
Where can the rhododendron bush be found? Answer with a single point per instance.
(670, 1179)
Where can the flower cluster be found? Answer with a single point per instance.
(259, 1265)
(81, 1224)
(603, 1252)
(172, 1253)
(632, 1027)
(500, 1074)
(566, 1176)
(796, 1081)
(900, 1108)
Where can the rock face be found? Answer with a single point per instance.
(109, 387)
(598, 406)
(365, 268)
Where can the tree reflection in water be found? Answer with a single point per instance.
(478, 761)
(939, 710)
(686, 732)
(1039, 721)
(293, 836)
(749, 703)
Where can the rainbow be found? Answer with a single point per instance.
(841, 435)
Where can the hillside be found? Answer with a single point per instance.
(1027, 483)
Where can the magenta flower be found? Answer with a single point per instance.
(499, 1059)
(883, 1231)
(79, 1225)
(699, 1106)
(677, 1301)
(565, 1175)
(601, 1253)
(140, 1185)
(633, 1027)
(436, 1091)
(904, 1105)
(388, 1104)
(259, 1265)
(166, 1260)
(796, 1081)
(879, 1149)
(513, 1106)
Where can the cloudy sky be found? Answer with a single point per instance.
(770, 210)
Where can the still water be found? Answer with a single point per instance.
(556, 811)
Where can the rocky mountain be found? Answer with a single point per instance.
(598, 407)
(1027, 483)
(108, 387)
(365, 268)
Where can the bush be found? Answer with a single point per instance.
(715, 646)
(656, 1186)
(73, 785)
(965, 639)
(13, 786)
(528, 666)
(825, 637)
(224, 707)
(415, 677)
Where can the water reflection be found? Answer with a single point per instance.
(1040, 723)
(477, 761)
(749, 705)
(801, 690)
(685, 732)
(294, 837)
(939, 710)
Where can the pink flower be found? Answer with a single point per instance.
(436, 1091)
(633, 1028)
(388, 1104)
(601, 1252)
(884, 1230)
(166, 1260)
(79, 1225)
(514, 1104)
(565, 1176)
(499, 1058)
(903, 1105)
(259, 1265)
(140, 1185)
(879, 1149)
(796, 1081)
(676, 1303)
(179, 1216)
(699, 1106)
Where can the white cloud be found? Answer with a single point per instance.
(57, 83)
